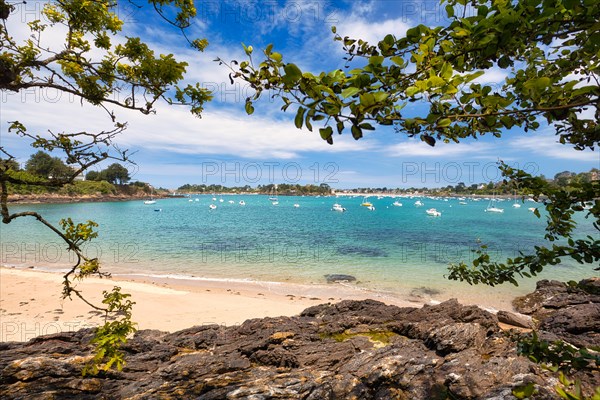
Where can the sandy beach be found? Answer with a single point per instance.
(31, 304)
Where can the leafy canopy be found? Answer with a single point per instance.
(550, 48)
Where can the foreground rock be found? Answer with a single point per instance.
(568, 312)
(350, 350)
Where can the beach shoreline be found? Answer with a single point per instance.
(31, 304)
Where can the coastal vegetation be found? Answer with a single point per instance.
(83, 59)
(566, 180)
(283, 189)
(43, 168)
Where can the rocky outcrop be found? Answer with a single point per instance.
(349, 350)
(570, 312)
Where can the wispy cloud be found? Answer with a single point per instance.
(547, 145)
(372, 31)
(417, 148)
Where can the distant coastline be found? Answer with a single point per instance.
(53, 198)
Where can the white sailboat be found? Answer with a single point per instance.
(151, 199)
(492, 206)
(273, 198)
(515, 204)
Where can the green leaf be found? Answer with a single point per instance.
(350, 91)
(326, 133)
(380, 96)
(249, 108)
(538, 84)
(446, 71)
(276, 56)
(367, 99)
(444, 122)
(522, 392)
(411, 91)
(399, 61)
(299, 117)
(292, 72)
(356, 132)
(376, 60)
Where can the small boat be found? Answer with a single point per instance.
(273, 196)
(397, 204)
(532, 209)
(296, 205)
(464, 203)
(197, 199)
(150, 202)
(515, 204)
(338, 207)
(419, 203)
(158, 209)
(212, 207)
(492, 208)
(366, 203)
(214, 199)
(433, 212)
(242, 203)
(221, 200)
(231, 201)
(371, 208)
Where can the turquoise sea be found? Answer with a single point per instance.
(390, 249)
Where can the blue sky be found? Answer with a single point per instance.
(228, 147)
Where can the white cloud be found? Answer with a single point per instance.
(226, 131)
(547, 145)
(492, 75)
(358, 28)
(417, 148)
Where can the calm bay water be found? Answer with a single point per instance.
(390, 249)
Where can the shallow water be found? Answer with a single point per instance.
(400, 250)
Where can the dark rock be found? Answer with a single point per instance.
(569, 312)
(578, 324)
(521, 321)
(590, 285)
(334, 278)
(352, 349)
